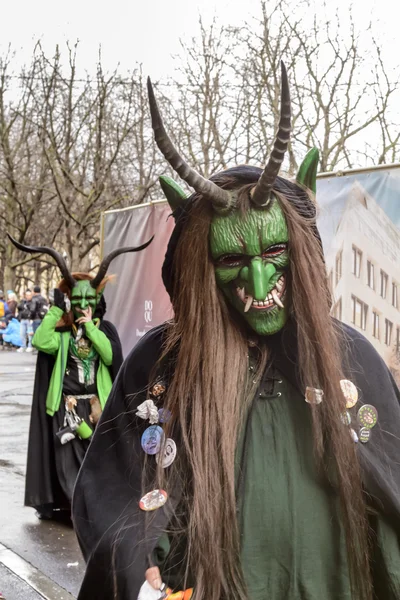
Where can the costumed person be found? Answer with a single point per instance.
(79, 357)
(242, 453)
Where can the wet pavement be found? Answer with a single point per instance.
(38, 559)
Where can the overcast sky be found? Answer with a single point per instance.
(148, 31)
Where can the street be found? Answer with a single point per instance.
(38, 559)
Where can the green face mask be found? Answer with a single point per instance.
(250, 254)
(83, 296)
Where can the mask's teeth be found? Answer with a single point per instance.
(241, 294)
(276, 298)
(249, 302)
(279, 286)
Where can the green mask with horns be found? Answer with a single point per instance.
(250, 252)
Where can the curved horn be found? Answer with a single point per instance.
(221, 199)
(62, 265)
(105, 263)
(260, 196)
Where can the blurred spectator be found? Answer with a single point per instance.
(12, 303)
(12, 334)
(25, 319)
(38, 307)
(3, 305)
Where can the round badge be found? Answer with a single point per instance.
(313, 395)
(354, 435)
(168, 453)
(346, 418)
(364, 435)
(367, 416)
(153, 500)
(164, 415)
(350, 392)
(158, 389)
(152, 439)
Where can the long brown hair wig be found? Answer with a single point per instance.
(210, 381)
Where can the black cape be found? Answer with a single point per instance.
(116, 537)
(41, 485)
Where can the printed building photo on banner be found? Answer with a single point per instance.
(359, 223)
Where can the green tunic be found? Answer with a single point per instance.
(292, 541)
(293, 545)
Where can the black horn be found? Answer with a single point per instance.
(221, 199)
(260, 195)
(62, 265)
(105, 263)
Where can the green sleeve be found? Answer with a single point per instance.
(46, 338)
(386, 561)
(161, 551)
(100, 342)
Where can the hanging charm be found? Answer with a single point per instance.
(148, 411)
(313, 395)
(153, 500)
(152, 439)
(167, 454)
(367, 416)
(350, 392)
(354, 435)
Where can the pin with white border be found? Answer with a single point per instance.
(167, 454)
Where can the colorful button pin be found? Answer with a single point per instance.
(164, 415)
(158, 389)
(350, 392)
(313, 395)
(346, 418)
(152, 439)
(153, 500)
(367, 416)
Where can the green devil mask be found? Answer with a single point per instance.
(84, 293)
(250, 250)
(251, 258)
(83, 296)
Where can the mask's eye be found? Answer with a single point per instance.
(231, 260)
(274, 250)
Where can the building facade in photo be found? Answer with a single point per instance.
(364, 274)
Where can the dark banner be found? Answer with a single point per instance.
(137, 300)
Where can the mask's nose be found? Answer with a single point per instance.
(258, 276)
(84, 304)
